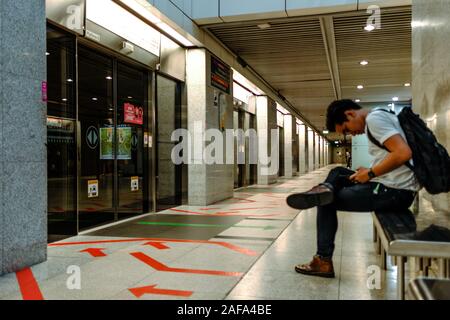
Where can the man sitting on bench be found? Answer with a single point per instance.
(388, 184)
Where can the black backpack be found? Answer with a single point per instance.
(431, 159)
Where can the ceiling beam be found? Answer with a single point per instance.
(329, 41)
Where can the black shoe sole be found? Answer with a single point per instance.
(306, 201)
(316, 274)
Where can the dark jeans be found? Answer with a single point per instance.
(349, 196)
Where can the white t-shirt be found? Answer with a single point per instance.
(384, 125)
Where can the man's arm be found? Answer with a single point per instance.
(399, 154)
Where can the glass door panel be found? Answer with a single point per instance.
(131, 121)
(97, 147)
(168, 176)
(61, 135)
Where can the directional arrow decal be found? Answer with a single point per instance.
(157, 245)
(162, 267)
(199, 225)
(139, 292)
(95, 252)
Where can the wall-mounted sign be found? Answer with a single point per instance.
(93, 189)
(106, 143)
(124, 136)
(134, 184)
(44, 91)
(133, 114)
(92, 138)
(220, 75)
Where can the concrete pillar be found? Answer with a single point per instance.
(310, 150)
(430, 78)
(23, 134)
(316, 151)
(303, 149)
(289, 127)
(266, 119)
(208, 108)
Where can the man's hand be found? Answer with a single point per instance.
(361, 175)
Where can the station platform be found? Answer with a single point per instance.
(244, 248)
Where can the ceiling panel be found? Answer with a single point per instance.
(291, 57)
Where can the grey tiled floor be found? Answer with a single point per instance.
(261, 249)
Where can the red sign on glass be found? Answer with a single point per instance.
(133, 114)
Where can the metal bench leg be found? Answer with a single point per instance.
(383, 259)
(401, 278)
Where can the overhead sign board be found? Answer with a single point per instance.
(220, 75)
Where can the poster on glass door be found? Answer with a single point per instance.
(124, 139)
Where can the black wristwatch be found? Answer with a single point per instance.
(371, 174)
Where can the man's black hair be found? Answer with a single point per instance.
(336, 112)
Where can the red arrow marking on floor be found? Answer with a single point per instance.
(157, 245)
(28, 285)
(186, 211)
(219, 243)
(139, 292)
(95, 252)
(162, 267)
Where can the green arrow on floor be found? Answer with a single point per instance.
(175, 224)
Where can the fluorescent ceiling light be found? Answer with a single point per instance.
(247, 83)
(147, 14)
(408, 84)
(326, 132)
(364, 63)
(357, 100)
(369, 27)
(395, 99)
(174, 34)
(360, 87)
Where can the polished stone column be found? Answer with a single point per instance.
(23, 157)
(266, 119)
(208, 108)
(431, 78)
(289, 127)
(303, 149)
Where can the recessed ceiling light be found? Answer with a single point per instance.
(109, 78)
(69, 80)
(130, 97)
(395, 99)
(364, 63)
(94, 99)
(369, 27)
(264, 26)
(360, 87)
(408, 84)
(64, 99)
(358, 100)
(47, 53)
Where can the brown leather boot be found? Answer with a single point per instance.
(320, 267)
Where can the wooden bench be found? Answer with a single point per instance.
(397, 235)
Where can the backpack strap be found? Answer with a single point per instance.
(382, 146)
